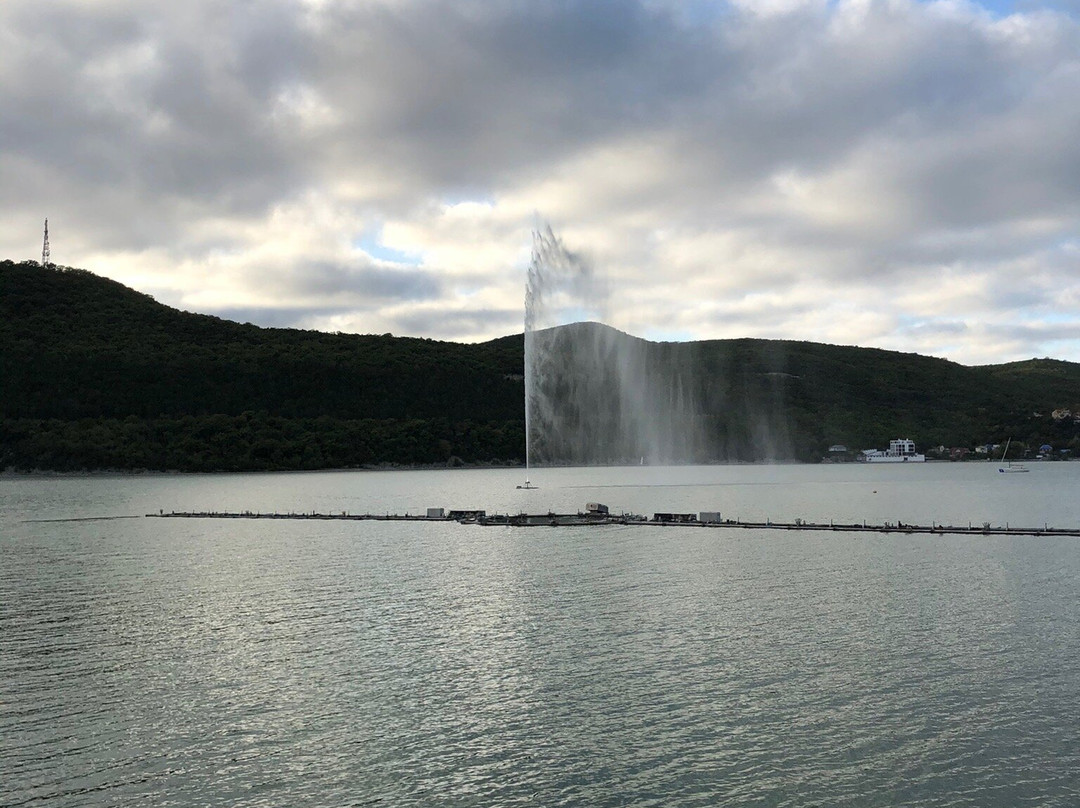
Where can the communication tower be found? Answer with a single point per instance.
(45, 260)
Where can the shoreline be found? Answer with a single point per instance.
(48, 473)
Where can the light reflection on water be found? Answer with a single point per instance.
(182, 662)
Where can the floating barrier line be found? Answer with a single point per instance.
(595, 520)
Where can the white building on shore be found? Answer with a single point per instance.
(901, 450)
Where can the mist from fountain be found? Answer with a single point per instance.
(557, 282)
(594, 395)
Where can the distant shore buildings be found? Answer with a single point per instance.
(901, 450)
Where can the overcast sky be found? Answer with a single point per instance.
(895, 174)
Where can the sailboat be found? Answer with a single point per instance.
(1008, 467)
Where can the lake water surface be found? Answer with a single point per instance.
(202, 662)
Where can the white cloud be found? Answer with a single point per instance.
(877, 172)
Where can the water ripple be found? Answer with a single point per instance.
(367, 664)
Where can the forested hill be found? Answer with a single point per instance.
(77, 345)
(162, 388)
(95, 375)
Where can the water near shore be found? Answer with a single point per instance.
(191, 662)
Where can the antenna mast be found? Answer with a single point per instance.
(45, 260)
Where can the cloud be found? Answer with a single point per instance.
(880, 172)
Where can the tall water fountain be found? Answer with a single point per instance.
(594, 395)
(557, 284)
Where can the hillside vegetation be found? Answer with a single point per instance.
(95, 375)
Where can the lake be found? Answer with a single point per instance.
(204, 662)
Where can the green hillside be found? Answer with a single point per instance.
(792, 400)
(96, 375)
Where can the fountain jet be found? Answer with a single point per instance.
(594, 395)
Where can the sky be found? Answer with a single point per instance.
(883, 173)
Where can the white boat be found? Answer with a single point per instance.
(901, 450)
(1009, 468)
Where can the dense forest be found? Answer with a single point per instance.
(94, 375)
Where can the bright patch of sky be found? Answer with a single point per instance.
(371, 244)
(667, 335)
(1003, 8)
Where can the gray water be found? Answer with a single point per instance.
(191, 662)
